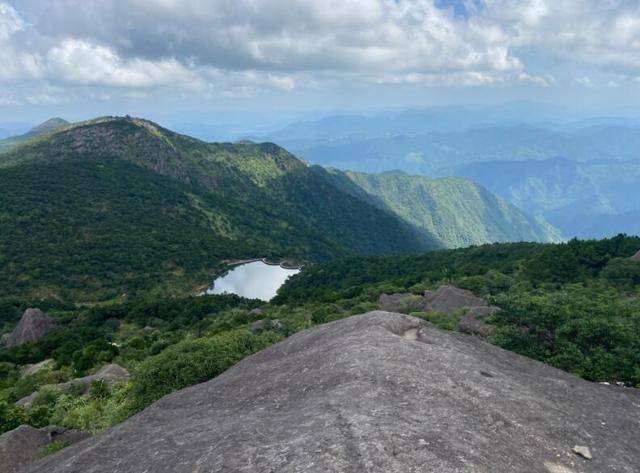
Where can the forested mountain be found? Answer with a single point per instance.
(573, 175)
(457, 212)
(436, 153)
(46, 127)
(117, 204)
(582, 199)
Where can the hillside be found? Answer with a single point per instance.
(456, 212)
(116, 205)
(591, 199)
(378, 392)
(46, 127)
(574, 306)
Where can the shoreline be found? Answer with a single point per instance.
(284, 264)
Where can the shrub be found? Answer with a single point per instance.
(54, 447)
(194, 361)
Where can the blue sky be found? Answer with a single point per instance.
(265, 61)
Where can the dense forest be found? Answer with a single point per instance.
(573, 305)
(113, 207)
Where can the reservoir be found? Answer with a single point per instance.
(254, 280)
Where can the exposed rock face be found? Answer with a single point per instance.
(473, 326)
(636, 257)
(110, 374)
(22, 446)
(402, 302)
(33, 369)
(379, 392)
(33, 326)
(448, 299)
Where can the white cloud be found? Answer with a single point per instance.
(242, 47)
(79, 62)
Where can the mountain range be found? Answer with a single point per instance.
(582, 176)
(120, 204)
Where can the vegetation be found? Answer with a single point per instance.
(455, 212)
(108, 225)
(116, 207)
(574, 306)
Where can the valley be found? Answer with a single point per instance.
(319, 236)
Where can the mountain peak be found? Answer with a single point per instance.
(49, 125)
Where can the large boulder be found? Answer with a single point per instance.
(33, 326)
(401, 302)
(29, 370)
(474, 326)
(448, 299)
(379, 392)
(110, 374)
(22, 446)
(636, 257)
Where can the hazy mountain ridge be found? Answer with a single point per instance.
(457, 212)
(573, 196)
(46, 127)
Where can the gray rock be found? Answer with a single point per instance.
(636, 257)
(27, 401)
(110, 374)
(378, 392)
(266, 324)
(471, 325)
(482, 311)
(257, 311)
(33, 326)
(448, 299)
(259, 325)
(401, 302)
(582, 451)
(22, 446)
(33, 369)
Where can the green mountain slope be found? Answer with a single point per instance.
(582, 199)
(456, 212)
(118, 205)
(47, 127)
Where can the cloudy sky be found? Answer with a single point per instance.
(191, 60)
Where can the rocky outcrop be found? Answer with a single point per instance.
(22, 446)
(402, 302)
(379, 392)
(636, 257)
(110, 374)
(473, 326)
(33, 369)
(33, 326)
(448, 299)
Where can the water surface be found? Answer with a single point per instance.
(255, 280)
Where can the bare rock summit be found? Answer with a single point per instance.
(379, 392)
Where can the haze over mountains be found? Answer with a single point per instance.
(569, 171)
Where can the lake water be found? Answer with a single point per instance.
(255, 280)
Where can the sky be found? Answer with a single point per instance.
(270, 61)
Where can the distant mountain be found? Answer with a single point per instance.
(437, 153)
(584, 199)
(457, 212)
(419, 121)
(42, 129)
(117, 205)
(13, 128)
